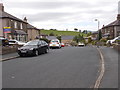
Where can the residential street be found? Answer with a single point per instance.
(69, 67)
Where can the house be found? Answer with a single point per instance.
(67, 39)
(12, 27)
(33, 32)
(112, 30)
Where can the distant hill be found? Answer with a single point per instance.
(62, 33)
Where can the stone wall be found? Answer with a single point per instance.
(117, 47)
(9, 49)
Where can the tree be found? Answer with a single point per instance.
(99, 34)
(88, 34)
(75, 29)
(59, 38)
(85, 32)
(78, 38)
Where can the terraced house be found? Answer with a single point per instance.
(12, 27)
(112, 30)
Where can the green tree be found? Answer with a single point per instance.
(59, 38)
(78, 38)
(99, 34)
(75, 29)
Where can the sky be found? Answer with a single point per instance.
(64, 14)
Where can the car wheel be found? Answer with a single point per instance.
(47, 50)
(21, 55)
(36, 53)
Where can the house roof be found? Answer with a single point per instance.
(29, 26)
(51, 37)
(7, 15)
(115, 23)
(67, 37)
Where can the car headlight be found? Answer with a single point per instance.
(31, 48)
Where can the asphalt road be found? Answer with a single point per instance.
(69, 67)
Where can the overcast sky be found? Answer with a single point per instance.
(64, 14)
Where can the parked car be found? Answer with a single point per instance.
(34, 47)
(113, 40)
(4, 41)
(14, 42)
(81, 44)
(62, 45)
(55, 43)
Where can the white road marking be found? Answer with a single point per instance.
(98, 81)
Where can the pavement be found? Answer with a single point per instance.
(110, 78)
(9, 56)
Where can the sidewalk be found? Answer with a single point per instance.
(110, 78)
(9, 56)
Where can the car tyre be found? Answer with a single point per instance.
(47, 50)
(21, 55)
(36, 53)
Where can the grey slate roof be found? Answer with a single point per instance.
(67, 37)
(29, 26)
(51, 37)
(115, 23)
(7, 15)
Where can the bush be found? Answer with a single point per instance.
(73, 43)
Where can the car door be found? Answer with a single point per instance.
(42, 47)
(39, 47)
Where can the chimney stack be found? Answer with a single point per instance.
(25, 19)
(1, 7)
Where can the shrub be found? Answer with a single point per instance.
(73, 43)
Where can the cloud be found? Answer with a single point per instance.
(64, 13)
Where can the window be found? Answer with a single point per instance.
(15, 24)
(21, 26)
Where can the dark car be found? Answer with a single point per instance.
(34, 47)
(4, 41)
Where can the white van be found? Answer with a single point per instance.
(55, 43)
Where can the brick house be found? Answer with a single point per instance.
(33, 32)
(112, 30)
(17, 27)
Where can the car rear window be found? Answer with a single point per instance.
(54, 41)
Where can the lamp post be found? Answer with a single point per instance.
(98, 27)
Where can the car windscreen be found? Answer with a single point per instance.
(54, 41)
(31, 43)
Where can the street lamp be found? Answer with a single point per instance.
(98, 27)
(98, 23)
